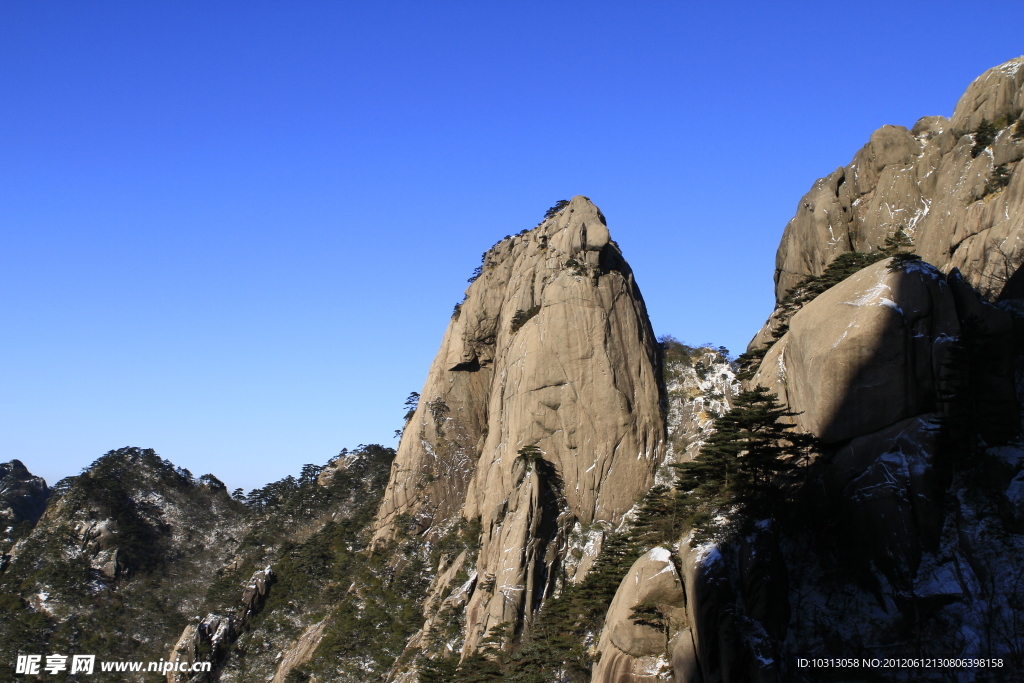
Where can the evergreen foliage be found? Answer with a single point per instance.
(530, 455)
(808, 289)
(744, 463)
(578, 268)
(842, 267)
(559, 205)
(1000, 179)
(748, 362)
(661, 517)
(411, 404)
(292, 499)
(984, 136)
(371, 600)
(553, 647)
(897, 242)
(140, 593)
(479, 270)
(650, 615)
(674, 351)
(522, 316)
(900, 261)
(377, 605)
(441, 670)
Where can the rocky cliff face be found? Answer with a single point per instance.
(904, 538)
(551, 351)
(951, 184)
(22, 501)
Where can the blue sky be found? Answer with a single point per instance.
(234, 231)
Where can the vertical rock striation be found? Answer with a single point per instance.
(551, 349)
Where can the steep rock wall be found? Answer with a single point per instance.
(552, 349)
(905, 537)
(700, 384)
(928, 181)
(893, 543)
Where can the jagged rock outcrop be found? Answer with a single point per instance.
(552, 349)
(209, 639)
(23, 498)
(959, 199)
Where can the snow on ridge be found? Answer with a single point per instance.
(870, 296)
(661, 554)
(1011, 67)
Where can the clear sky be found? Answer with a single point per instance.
(234, 231)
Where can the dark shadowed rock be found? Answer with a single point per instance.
(23, 496)
(866, 353)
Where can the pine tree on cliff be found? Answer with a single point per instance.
(744, 459)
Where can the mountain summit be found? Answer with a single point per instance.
(541, 414)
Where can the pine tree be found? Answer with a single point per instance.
(897, 242)
(660, 518)
(438, 670)
(559, 205)
(649, 614)
(744, 460)
(983, 137)
(478, 668)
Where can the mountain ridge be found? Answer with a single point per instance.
(531, 526)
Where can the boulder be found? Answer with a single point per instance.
(866, 353)
(628, 648)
